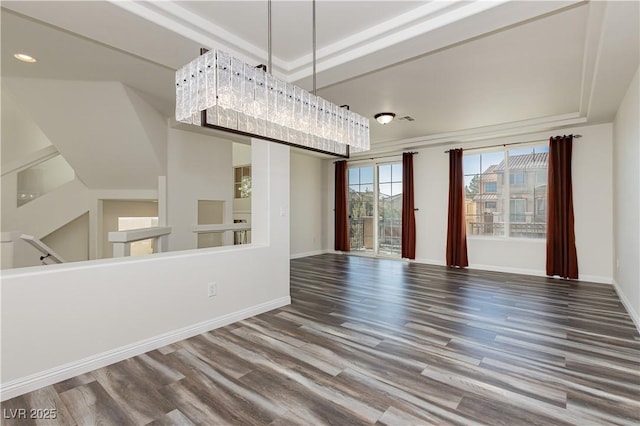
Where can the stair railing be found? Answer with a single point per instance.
(122, 239)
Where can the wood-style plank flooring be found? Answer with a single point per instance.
(382, 342)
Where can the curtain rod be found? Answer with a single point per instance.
(509, 144)
(383, 156)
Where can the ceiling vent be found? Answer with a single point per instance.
(407, 118)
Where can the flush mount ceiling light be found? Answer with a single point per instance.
(384, 117)
(24, 57)
(219, 91)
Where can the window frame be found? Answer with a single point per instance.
(506, 192)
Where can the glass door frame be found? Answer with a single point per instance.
(376, 210)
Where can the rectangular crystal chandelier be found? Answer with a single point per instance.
(245, 99)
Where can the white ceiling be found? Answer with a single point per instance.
(464, 70)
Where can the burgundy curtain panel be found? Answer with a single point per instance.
(341, 206)
(408, 214)
(562, 259)
(457, 228)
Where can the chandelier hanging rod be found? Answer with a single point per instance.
(269, 57)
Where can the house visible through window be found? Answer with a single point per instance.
(513, 207)
(517, 178)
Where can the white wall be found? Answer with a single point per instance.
(63, 320)
(92, 125)
(21, 139)
(241, 154)
(306, 205)
(62, 205)
(626, 200)
(20, 134)
(592, 204)
(71, 241)
(199, 168)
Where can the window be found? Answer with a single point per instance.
(517, 178)
(242, 182)
(491, 187)
(490, 204)
(517, 209)
(513, 207)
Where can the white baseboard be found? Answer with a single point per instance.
(429, 262)
(308, 253)
(630, 309)
(596, 279)
(49, 377)
(521, 271)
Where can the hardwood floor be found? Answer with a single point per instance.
(383, 342)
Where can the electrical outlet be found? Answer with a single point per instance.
(212, 289)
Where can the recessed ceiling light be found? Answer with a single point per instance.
(24, 57)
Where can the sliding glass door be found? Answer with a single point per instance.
(390, 209)
(361, 208)
(375, 209)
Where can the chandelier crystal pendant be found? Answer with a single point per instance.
(243, 98)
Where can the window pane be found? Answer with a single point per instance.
(493, 162)
(385, 189)
(384, 173)
(396, 188)
(483, 192)
(366, 174)
(396, 172)
(471, 164)
(354, 176)
(528, 191)
(471, 187)
(519, 151)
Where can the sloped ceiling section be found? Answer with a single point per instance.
(105, 132)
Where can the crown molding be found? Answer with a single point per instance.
(502, 130)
